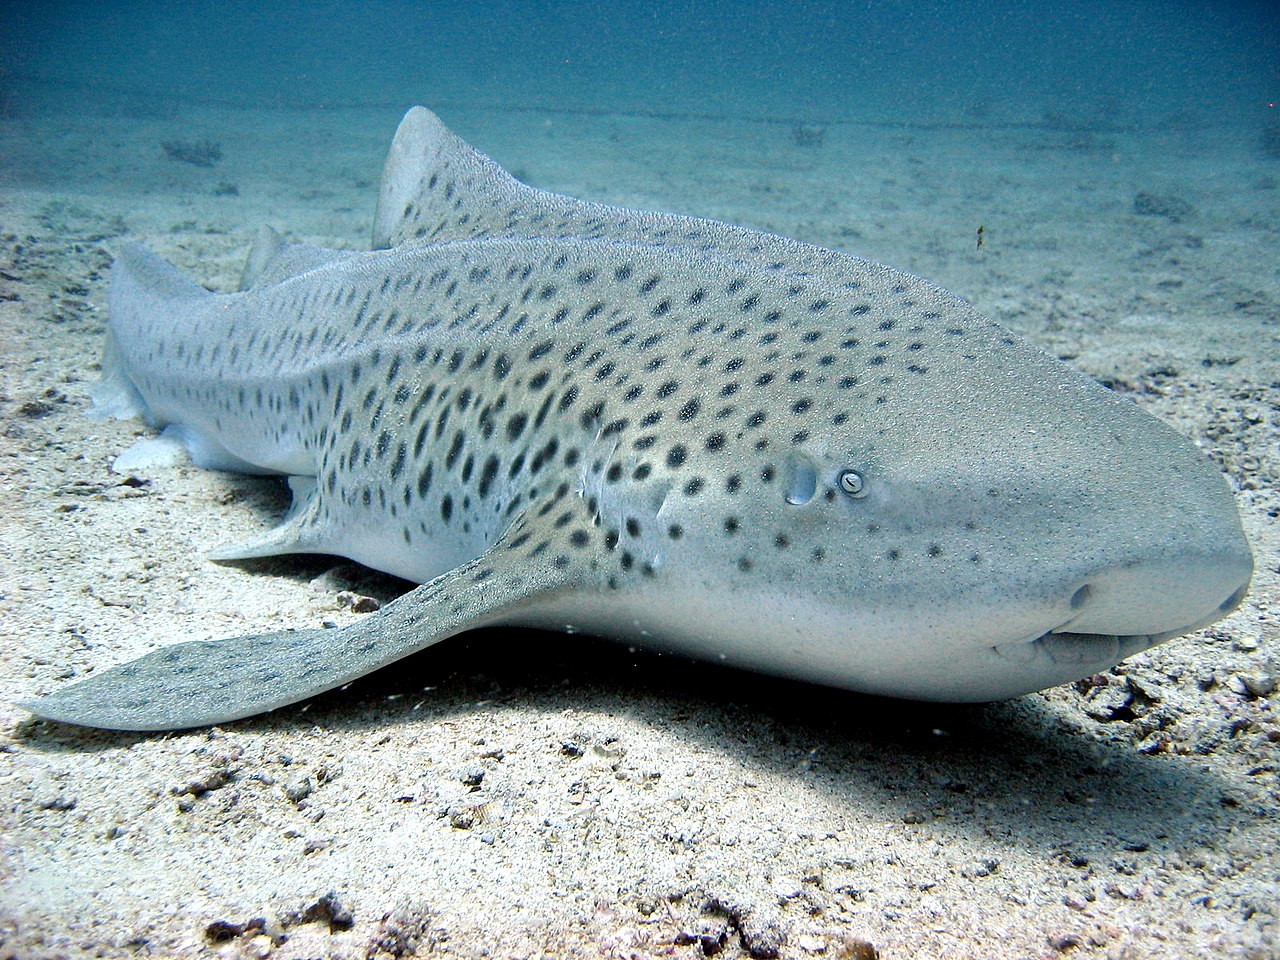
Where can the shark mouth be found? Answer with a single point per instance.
(1082, 649)
(1097, 650)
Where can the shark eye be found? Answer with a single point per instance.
(852, 483)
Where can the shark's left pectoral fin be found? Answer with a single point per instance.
(204, 682)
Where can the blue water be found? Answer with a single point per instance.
(1090, 63)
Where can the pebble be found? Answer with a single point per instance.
(1255, 686)
(855, 948)
(1246, 643)
(331, 910)
(785, 888)
(762, 940)
(357, 603)
(811, 944)
(709, 934)
(1117, 892)
(983, 868)
(215, 780)
(221, 930)
(298, 789)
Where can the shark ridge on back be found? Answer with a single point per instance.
(676, 432)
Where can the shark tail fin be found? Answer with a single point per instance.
(202, 682)
(140, 278)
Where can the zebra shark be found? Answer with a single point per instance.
(683, 434)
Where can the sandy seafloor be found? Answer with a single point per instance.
(514, 794)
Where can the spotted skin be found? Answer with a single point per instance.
(667, 430)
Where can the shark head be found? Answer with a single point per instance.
(938, 511)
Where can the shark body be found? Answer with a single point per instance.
(684, 434)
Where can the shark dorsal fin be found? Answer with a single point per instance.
(437, 188)
(273, 260)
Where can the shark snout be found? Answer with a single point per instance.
(1161, 596)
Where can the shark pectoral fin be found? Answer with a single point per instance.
(204, 682)
(302, 530)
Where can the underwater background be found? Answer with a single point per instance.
(1101, 177)
(1093, 63)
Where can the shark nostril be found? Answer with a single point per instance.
(1234, 600)
(1080, 597)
